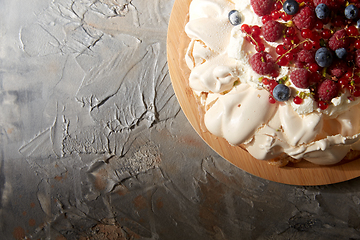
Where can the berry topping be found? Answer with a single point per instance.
(322, 11)
(351, 11)
(262, 63)
(234, 17)
(327, 90)
(281, 93)
(341, 53)
(318, 41)
(262, 7)
(272, 31)
(305, 18)
(339, 40)
(291, 7)
(300, 78)
(323, 57)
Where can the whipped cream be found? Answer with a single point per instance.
(237, 105)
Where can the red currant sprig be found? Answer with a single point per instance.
(253, 36)
(286, 55)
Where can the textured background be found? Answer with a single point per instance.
(95, 146)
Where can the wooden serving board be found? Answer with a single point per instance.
(303, 173)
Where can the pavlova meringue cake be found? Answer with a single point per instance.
(279, 78)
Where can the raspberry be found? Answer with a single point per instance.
(336, 4)
(262, 7)
(306, 18)
(272, 31)
(300, 78)
(327, 90)
(306, 56)
(338, 68)
(339, 40)
(329, 3)
(357, 58)
(262, 63)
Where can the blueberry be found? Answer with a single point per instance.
(291, 7)
(234, 17)
(323, 57)
(351, 12)
(322, 11)
(281, 93)
(341, 53)
(358, 23)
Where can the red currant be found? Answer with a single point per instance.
(343, 82)
(272, 84)
(307, 45)
(280, 49)
(350, 87)
(356, 93)
(296, 40)
(289, 56)
(255, 31)
(298, 100)
(348, 74)
(315, 36)
(285, 17)
(266, 18)
(272, 99)
(245, 28)
(265, 81)
(278, 5)
(295, 49)
(290, 31)
(282, 61)
(260, 47)
(316, 44)
(289, 41)
(306, 33)
(357, 44)
(319, 25)
(322, 105)
(313, 67)
(326, 33)
(352, 31)
(356, 79)
(275, 15)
